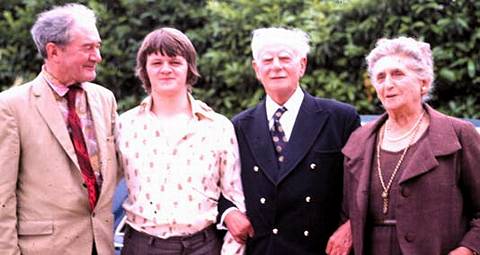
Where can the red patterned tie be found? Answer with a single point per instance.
(78, 140)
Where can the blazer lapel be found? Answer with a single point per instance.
(310, 121)
(256, 130)
(99, 124)
(48, 108)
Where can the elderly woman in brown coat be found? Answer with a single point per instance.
(412, 177)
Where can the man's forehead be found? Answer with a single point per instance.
(276, 49)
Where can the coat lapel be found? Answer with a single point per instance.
(255, 128)
(96, 110)
(424, 158)
(361, 157)
(310, 121)
(47, 107)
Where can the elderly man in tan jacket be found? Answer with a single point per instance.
(57, 154)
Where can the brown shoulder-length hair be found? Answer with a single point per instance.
(170, 42)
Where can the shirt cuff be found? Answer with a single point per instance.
(222, 226)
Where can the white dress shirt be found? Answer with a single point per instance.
(288, 118)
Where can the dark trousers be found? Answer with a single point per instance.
(205, 242)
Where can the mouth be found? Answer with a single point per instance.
(278, 77)
(166, 78)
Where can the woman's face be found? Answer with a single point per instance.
(167, 75)
(398, 86)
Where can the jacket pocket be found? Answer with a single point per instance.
(26, 228)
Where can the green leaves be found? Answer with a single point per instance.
(342, 33)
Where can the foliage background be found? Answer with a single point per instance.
(342, 33)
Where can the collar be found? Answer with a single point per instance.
(439, 131)
(200, 110)
(293, 103)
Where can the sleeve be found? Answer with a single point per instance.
(351, 125)
(470, 179)
(230, 180)
(116, 131)
(9, 164)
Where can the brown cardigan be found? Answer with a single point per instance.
(438, 206)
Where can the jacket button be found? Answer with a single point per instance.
(308, 199)
(305, 233)
(410, 237)
(313, 166)
(275, 231)
(255, 168)
(405, 192)
(262, 200)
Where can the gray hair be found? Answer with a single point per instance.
(419, 52)
(54, 25)
(296, 39)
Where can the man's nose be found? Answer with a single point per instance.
(276, 63)
(96, 56)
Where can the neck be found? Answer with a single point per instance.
(170, 106)
(404, 119)
(56, 72)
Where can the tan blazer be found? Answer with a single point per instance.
(43, 205)
(438, 206)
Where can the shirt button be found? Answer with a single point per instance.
(305, 233)
(263, 200)
(255, 168)
(308, 199)
(275, 231)
(313, 166)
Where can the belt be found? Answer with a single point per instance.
(384, 222)
(207, 233)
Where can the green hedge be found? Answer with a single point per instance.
(342, 33)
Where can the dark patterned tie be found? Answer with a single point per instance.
(79, 144)
(278, 135)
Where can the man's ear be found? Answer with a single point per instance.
(255, 68)
(303, 65)
(52, 50)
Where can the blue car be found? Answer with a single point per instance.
(119, 214)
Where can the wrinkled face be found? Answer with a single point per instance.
(279, 69)
(397, 85)
(167, 75)
(79, 58)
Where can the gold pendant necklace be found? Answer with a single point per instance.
(386, 188)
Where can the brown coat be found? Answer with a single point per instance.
(43, 205)
(438, 206)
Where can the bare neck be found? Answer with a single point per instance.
(171, 106)
(404, 118)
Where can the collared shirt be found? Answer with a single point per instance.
(175, 172)
(85, 116)
(288, 118)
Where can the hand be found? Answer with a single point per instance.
(461, 251)
(239, 226)
(340, 243)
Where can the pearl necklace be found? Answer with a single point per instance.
(407, 134)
